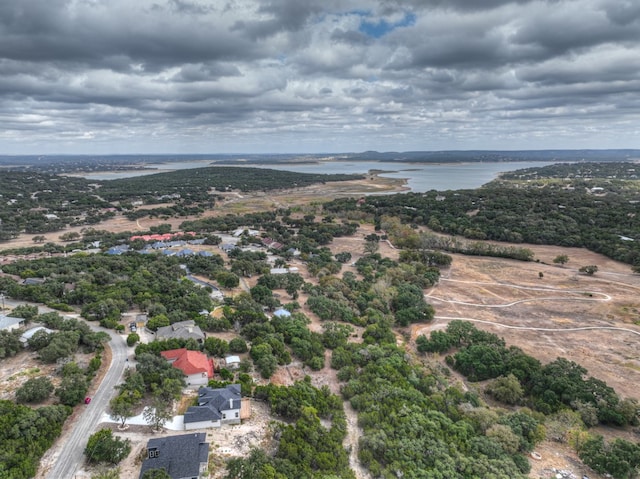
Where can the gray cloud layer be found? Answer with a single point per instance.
(82, 76)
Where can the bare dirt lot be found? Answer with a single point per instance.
(551, 308)
(549, 312)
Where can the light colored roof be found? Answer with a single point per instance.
(28, 334)
(181, 329)
(281, 313)
(232, 359)
(9, 321)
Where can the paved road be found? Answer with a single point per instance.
(72, 445)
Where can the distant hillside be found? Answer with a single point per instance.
(57, 164)
(490, 155)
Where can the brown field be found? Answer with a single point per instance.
(492, 290)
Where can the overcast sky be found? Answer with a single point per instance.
(258, 76)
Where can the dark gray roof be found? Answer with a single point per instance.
(220, 397)
(180, 456)
(212, 401)
(201, 413)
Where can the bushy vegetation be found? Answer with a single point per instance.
(104, 447)
(307, 449)
(619, 458)
(106, 286)
(415, 425)
(560, 384)
(25, 435)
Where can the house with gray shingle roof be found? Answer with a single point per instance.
(180, 330)
(182, 457)
(215, 408)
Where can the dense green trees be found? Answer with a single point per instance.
(546, 209)
(74, 385)
(238, 346)
(548, 388)
(34, 390)
(10, 344)
(414, 427)
(25, 434)
(107, 286)
(306, 449)
(104, 447)
(216, 346)
(619, 458)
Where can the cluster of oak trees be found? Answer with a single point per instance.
(26, 432)
(566, 399)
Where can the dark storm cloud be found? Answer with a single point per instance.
(366, 74)
(623, 12)
(94, 35)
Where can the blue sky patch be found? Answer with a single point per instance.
(382, 27)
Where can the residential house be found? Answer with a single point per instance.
(28, 334)
(9, 323)
(180, 330)
(278, 271)
(240, 231)
(118, 250)
(195, 365)
(182, 457)
(271, 243)
(282, 313)
(227, 247)
(292, 269)
(215, 408)
(232, 362)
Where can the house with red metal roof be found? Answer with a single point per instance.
(195, 365)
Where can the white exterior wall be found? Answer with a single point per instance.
(201, 425)
(229, 416)
(197, 379)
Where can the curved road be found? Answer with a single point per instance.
(70, 448)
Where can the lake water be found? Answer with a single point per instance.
(420, 177)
